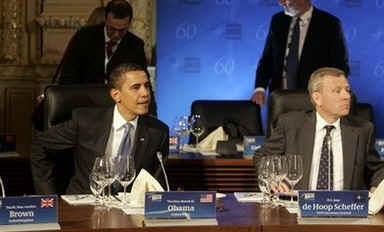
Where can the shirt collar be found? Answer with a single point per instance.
(119, 121)
(320, 123)
(306, 17)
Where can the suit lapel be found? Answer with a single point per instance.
(99, 41)
(142, 138)
(102, 132)
(349, 140)
(308, 41)
(306, 140)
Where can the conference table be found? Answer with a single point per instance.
(231, 216)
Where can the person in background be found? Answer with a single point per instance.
(354, 162)
(293, 48)
(93, 132)
(94, 51)
(97, 16)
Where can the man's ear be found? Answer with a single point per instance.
(115, 94)
(316, 96)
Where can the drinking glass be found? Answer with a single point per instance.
(264, 177)
(97, 179)
(278, 169)
(180, 127)
(96, 184)
(126, 173)
(196, 127)
(295, 171)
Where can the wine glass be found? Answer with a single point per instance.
(126, 172)
(96, 178)
(196, 127)
(278, 168)
(96, 184)
(106, 169)
(180, 127)
(264, 177)
(295, 171)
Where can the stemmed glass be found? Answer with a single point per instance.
(126, 172)
(181, 129)
(196, 127)
(278, 168)
(108, 173)
(264, 177)
(295, 171)
(97, 181)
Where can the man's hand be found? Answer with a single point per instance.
(258, 97)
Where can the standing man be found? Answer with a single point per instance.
(301, 39)
(93, 132)
(94, 51)
(350, 160)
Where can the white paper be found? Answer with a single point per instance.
(376, 201)
(248, 196)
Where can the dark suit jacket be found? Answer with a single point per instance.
(295, 131)
(88, 134)
(323, 47)
(85, 57)
(83, 61)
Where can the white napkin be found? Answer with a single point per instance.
(209, 142)
(376, 201)
(144, 183)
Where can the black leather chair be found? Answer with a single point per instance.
(215, 112)
(59, 103)
(283, 101)
(62, 99)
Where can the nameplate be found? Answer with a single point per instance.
(28, 209)
(252, 144)
(345, 204)
(380, 147)
(180, 205)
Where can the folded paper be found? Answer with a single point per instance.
(144, 183)
(209, 142)
(376, 202)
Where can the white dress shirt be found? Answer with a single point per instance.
(337, 149)
(117, 131)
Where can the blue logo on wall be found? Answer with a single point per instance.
(191, 65)
(352, 3)
(379, 4)
(225, 65)
(224, 2)
(186, 31)
(378, 72)
(191, 2)
(233, 31)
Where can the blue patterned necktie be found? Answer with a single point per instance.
(292, 59)
(125, 144)
(123, 152)
(325, 177)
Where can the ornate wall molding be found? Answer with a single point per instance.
(12, 31)
(60, 22)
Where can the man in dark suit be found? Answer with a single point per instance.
(93, 132)
(356, 163)
(320, 43)
(94, 51)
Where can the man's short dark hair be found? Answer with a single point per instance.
(119, 8)
(116, 78)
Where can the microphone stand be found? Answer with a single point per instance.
(160, 157)
(2, 187)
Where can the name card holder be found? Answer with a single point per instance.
(344, 207)
(33, 212)
(180, 208)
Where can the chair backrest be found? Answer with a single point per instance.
(62, 99)
(215, 112)
(283, 101)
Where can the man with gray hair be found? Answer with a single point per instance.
(354, 163)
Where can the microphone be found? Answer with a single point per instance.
(160, 157)
(2, 187)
